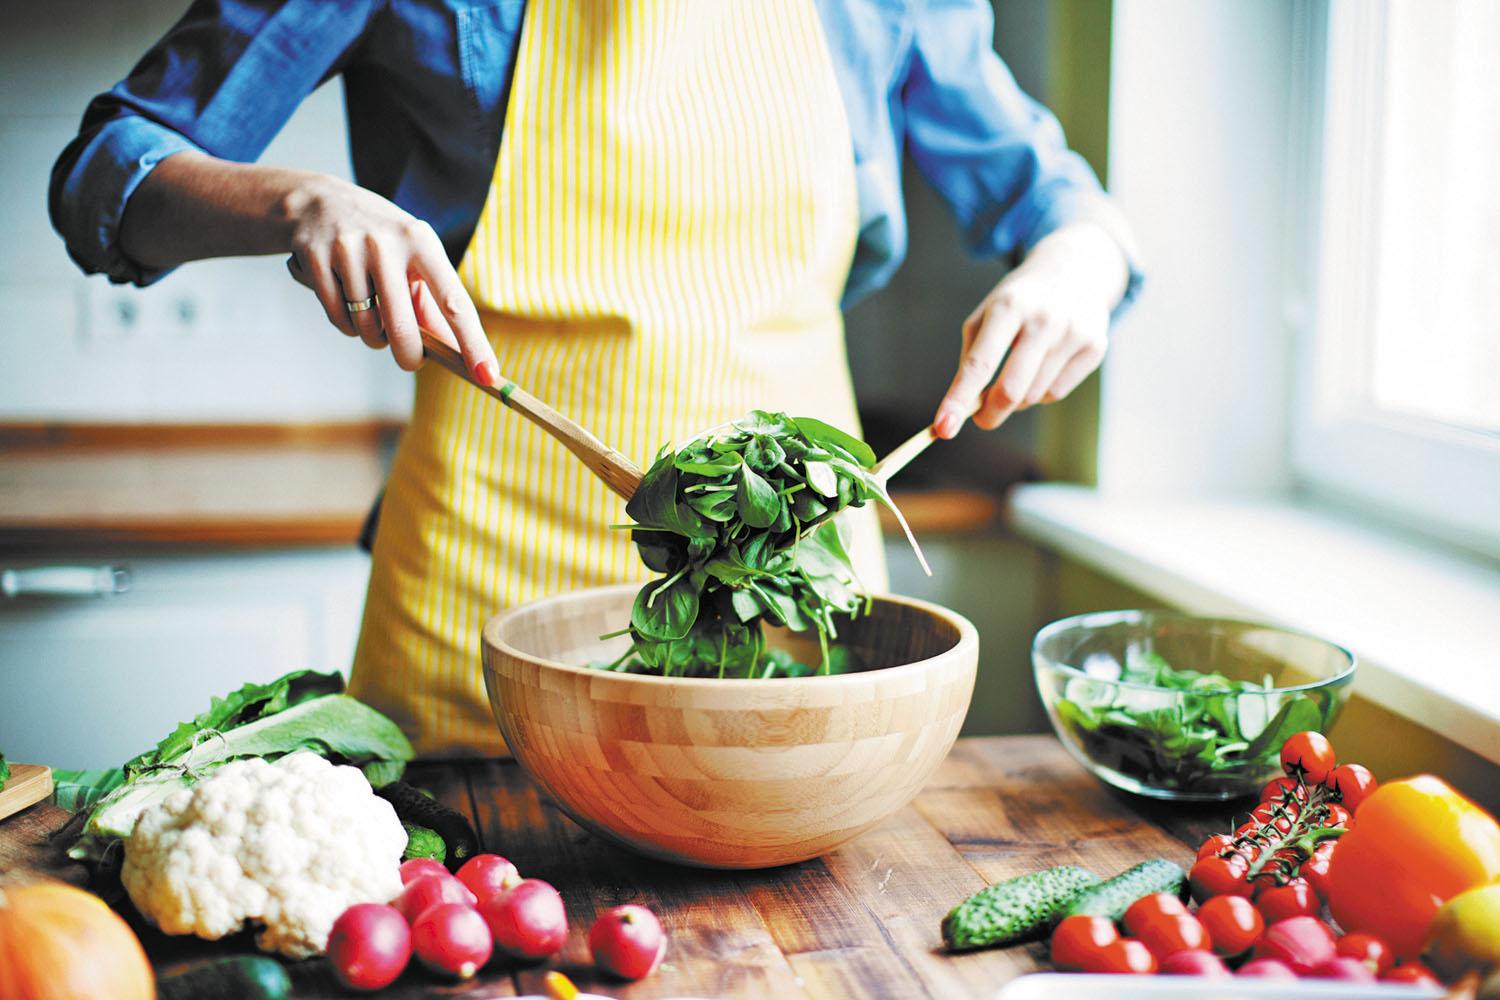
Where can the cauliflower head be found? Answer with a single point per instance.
(289, 845)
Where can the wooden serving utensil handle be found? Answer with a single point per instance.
(618, 472)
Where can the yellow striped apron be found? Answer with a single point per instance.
(663, 248)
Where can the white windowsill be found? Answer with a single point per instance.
(1424, 624)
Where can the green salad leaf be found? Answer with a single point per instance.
(742, 524)
(1184, 729)
(303, 710)
(4, 771)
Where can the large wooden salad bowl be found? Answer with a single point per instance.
(727, 773)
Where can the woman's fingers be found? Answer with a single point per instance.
(448, 301)
(987, 336)
(325, 286)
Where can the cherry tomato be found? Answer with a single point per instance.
(1219, 877)
(1315, 868)
(1351, 783)
(1147, 909)
(1369, 949)
(1296, 898)
(1123, 955)
(1078, 940)
(1168, 933)
(1233, 923)
(1309, 756)
(1413, 973)
(1335, 815)
(1280, 789)
(1215, 844)
(1269, 815)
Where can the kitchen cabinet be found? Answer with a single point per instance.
(860, 922)
(91, 679)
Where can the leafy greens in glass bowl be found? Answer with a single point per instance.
(1179, 706)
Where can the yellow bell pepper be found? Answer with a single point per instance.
(1465, 934)
(1414, 844)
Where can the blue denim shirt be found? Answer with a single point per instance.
(426, 84)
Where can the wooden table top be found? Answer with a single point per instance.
(861, 922)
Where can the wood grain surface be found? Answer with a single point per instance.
(859, 922)
(28, 784)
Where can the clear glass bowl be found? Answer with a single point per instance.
(1133, 695)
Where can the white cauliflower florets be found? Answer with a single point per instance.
(289, 844)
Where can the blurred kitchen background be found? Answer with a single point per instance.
(198, 453)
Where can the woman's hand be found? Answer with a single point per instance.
(348, 245)
(1043, 328)
(352, 246)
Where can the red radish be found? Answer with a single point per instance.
(1194, 962)
(1266, 968)
(421, 866)
(429, 890)
(1344, 967)
(1302, 942)
(452, 938)
(487, 874)
(527, 920)
(627, 941)
(369, 946)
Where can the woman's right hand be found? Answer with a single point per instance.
(350, 245)
(347, 244)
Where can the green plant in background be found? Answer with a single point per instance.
(1183, 728)
(741, 523)
(4, 771)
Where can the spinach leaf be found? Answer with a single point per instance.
(741, 523)
(1197, 731)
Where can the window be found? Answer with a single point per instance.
(1401, 403)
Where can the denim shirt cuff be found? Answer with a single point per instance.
(117, 159)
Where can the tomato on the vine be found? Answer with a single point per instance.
(1369, 949)
(1213, 845)
(1309, 756)
(1315, 868)
(1336, 815)
(1294, 899)
(1078, 940)
(1214, 876)
(1277, 790)
(1233, 923)
(1351, 783)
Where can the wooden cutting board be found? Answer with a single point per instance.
(28, 784)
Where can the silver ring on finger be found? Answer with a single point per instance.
(362, 305)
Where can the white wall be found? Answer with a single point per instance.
(1196, 388)
(256, 347)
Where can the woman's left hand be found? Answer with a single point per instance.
(1039, 332)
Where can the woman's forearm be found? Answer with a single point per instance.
(193, 206)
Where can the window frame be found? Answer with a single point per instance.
(1439, 479)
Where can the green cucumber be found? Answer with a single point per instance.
(1019, 909)
(422, 842)
(1112, 897)
(238, 977)
(417, 808)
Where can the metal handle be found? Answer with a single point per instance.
(64, 581)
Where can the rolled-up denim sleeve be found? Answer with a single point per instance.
(224, 80)
(997, 157)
